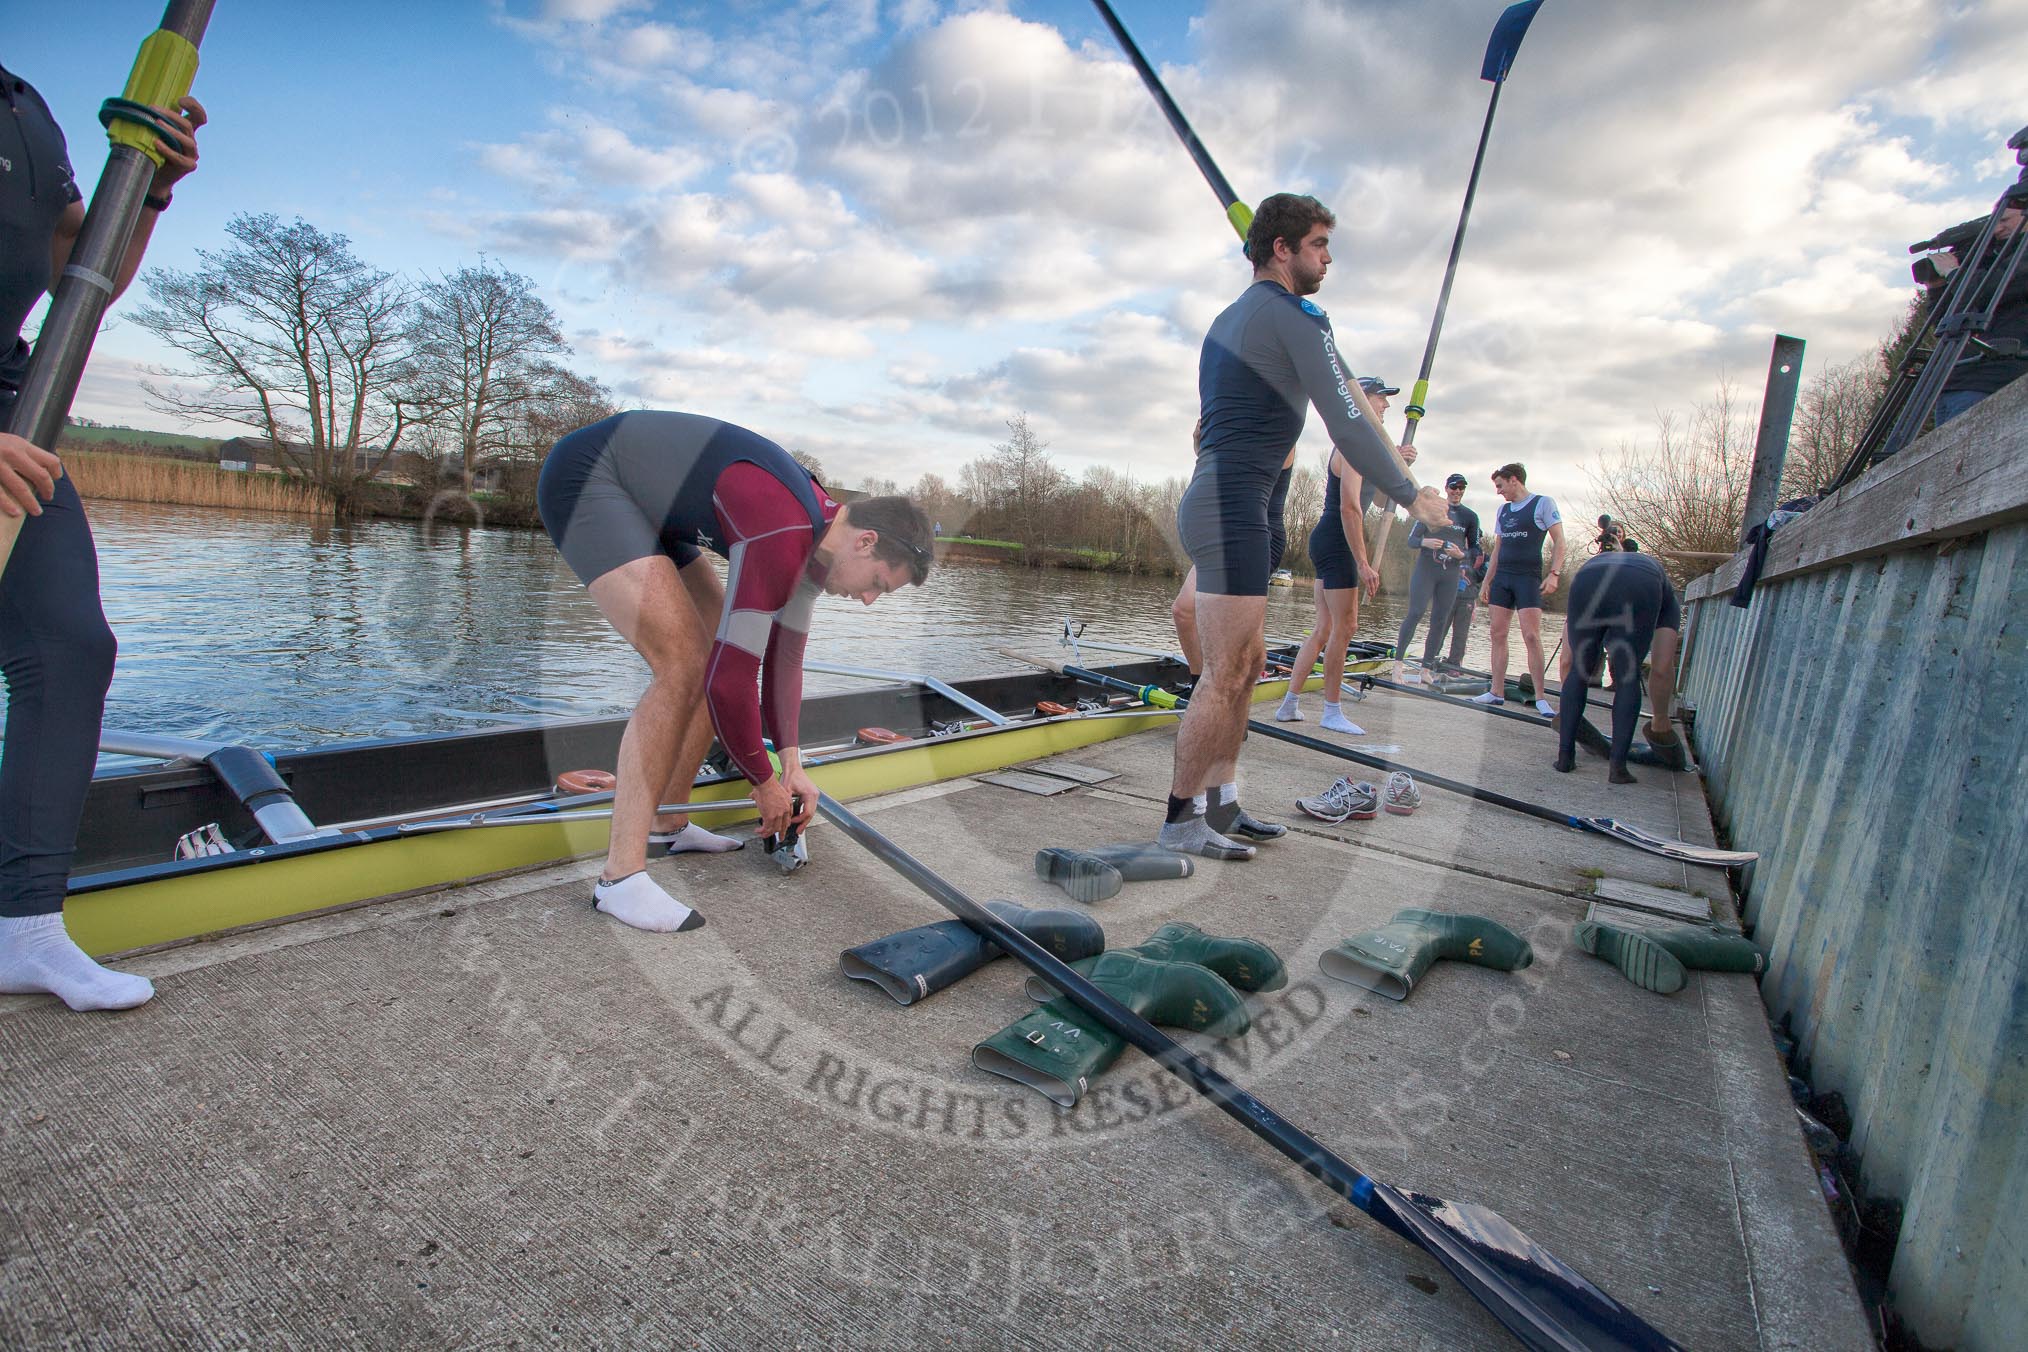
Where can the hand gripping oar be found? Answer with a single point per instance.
(1612, 827)
(1542, 1300)
(160, 77)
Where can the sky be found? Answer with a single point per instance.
(874, 230)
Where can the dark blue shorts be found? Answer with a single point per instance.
(1222, 524)
(1515, 593)
(1332, 557)
(596, 520)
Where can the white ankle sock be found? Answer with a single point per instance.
(694, 839)
(639, 900)
(1288, 713)
(1334, 720)
(37, 954)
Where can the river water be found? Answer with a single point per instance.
(280, 633)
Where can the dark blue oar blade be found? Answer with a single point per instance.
(1541, 1299)
(1506, 39)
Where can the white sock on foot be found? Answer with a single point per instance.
(1288, 713)
(37, 955)
(1488, 697)
(639, 900)
(1334, 720)
(694, 839)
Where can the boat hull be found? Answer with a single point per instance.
(127, 903)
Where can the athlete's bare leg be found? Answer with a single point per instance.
(647, 602)
(1183, 610)
(1662, 679)
(1498, 619)
(1531, 645)
(707, 595)
(1207, 744)
(1342, 603)
(1320, 629)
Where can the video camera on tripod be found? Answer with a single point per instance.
(1970, 270)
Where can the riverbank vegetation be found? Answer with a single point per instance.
(340, 370)
(147, 478)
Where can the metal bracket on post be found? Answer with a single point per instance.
(1771, 446)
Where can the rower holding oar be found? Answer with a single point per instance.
(56, 650)
(1267, 356)
(629, 501)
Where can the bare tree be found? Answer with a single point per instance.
(1830, 416)
(293, 337)
(941, 503)
(1029, 481)
(482, 339)
(1686, 491)
(561, 403)
(810, 463)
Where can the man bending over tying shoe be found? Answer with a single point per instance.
(629, 501)
(1267, 357)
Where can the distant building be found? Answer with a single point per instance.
(252, 453)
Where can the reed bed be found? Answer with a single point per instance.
(139, 478)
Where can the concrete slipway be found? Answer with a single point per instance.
(491, 1117)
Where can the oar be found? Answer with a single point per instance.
(1380, 682)
(1625, 832)
(161, 76)
(1542, 1300)
(1505, 41)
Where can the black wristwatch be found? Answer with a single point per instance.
(158, 205)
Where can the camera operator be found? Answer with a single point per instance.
(1998, 354)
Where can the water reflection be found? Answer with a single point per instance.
(279, 632)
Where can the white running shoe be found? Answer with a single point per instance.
(1341, 801)
(1403, 797)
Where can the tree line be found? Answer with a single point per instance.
(1103, 519)
(347, 370)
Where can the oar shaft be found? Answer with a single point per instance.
(1163, 699)
(1235, 211)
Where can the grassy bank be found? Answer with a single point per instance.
(135, 478)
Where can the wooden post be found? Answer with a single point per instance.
(1771, 447)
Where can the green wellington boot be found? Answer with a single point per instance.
(1058, 1049)
(1097, 873)
(1390, 960)
(919, 962)
(1658, 959)
(1245, 964)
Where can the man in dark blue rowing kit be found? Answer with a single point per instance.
(1515, 580)
(1621, 602)
(1268, 357)
(56, 650)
